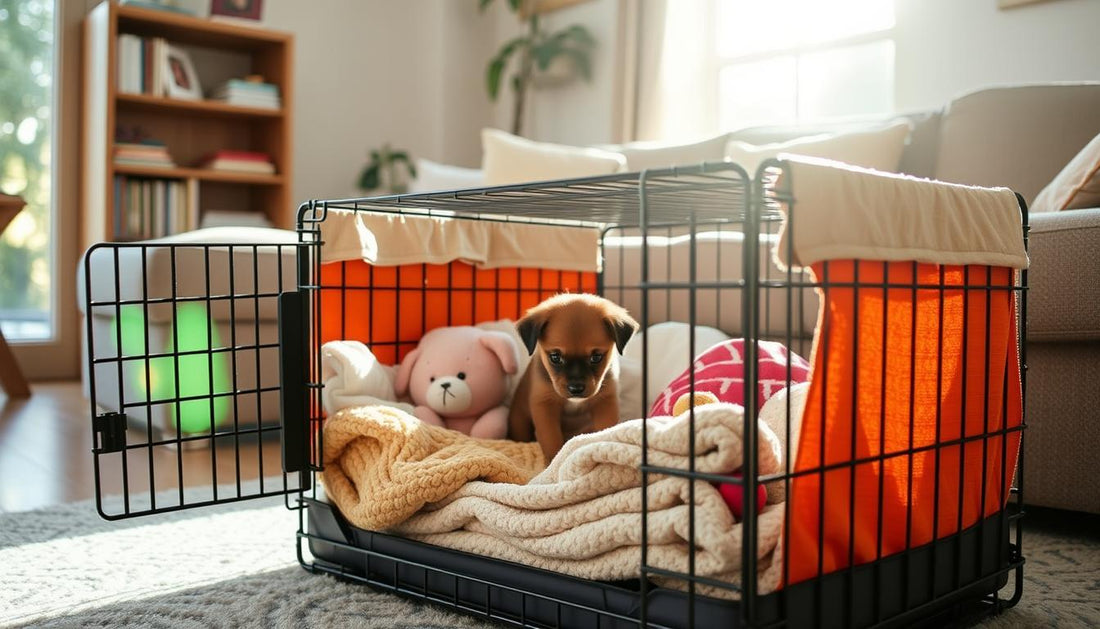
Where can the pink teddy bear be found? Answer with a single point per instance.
(457, 378)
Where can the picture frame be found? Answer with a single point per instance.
(180, 79)
(239, 9)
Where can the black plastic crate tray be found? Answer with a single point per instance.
(516, 594)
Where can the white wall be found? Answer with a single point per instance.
(412, 73)
(581, 112)
(578, 112)
(374, 71)
(947, 47)
(462, 102)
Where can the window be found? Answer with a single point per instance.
(26, 96)
(796, 61)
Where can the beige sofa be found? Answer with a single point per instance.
(1021, 137)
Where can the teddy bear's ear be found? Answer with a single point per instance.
(501, 344)
(530, 329)
(404, 371)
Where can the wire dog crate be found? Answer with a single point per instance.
(690, 244)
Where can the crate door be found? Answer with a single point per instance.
(182, 369)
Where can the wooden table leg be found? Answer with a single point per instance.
(11, 377)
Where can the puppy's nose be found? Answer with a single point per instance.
(446, 385)
(576, 389)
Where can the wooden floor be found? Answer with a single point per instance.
(46, 455)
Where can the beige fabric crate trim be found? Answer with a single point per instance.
(395, 239)
(846, 212)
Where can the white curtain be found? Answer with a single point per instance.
(676, 95)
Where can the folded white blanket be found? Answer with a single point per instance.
(582, 515)
(846, 212)
(390, 239)
(353, 377)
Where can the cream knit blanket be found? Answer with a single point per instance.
(580, 516)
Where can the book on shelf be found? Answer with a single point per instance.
(143, 154)
(153, 208)
(239, 161)
(248, 94)
(140, 64)
(174, 6)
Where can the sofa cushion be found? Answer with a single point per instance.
(918, 158)
(433, 177)
(1018, 136)
(643, 155)
(878, 148)
(509, 159)
(1076, 186)
(1063, 302)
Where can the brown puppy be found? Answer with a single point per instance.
(571, 386)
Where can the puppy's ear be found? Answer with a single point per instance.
(530, 329)
(621, 326)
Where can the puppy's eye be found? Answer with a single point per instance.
(431, 379)
(462, 375)
(595, 358)
(555, 357)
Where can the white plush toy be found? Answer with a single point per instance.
(353, 377)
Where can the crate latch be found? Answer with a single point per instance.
(111, 430)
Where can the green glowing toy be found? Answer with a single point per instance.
(200, 375)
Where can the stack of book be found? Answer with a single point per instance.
(239, 161)
(161, 5)
(248, 94)
(140, 64)
(145, 153)
(153, 208)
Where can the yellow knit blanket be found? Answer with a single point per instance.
(382, 465)
(582, 515)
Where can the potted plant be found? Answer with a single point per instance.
(536, 50)
(382, 172)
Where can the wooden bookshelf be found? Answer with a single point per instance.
(190, 129)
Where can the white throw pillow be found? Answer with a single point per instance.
(668, 358)
(879, 148)
(1076, 186)
(508, 159)
(644, 155)
(433, 177)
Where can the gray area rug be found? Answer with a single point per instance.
(235, 566)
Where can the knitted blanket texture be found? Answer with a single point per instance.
(582, 515)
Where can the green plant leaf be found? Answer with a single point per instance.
(482, 4)
(412, 169)
(492, 79)
(369, 179)
(581, 61)
(496, 65)
(545, 52)
(515, 4)
(511, 45)
(578, 35)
